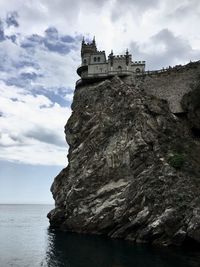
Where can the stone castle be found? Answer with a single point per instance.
(95, 64)
(170, 83)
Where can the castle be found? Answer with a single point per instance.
(170, 83)
(95, 65)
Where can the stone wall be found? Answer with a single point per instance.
(119, 61)
(171, 85)
(97, 68)
(139, 66)
(98, 58)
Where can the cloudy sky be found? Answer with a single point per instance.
(39, 53)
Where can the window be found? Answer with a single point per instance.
(95, 59)
(84, 61)
(99, 59)
(137, 70)
(120, 68)
(195, 132)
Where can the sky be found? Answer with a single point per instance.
(39, 54)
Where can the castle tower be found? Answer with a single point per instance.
(86, 50)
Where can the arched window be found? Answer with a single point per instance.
(85, 61)
(137, 70)
(95, 59)
(119, 68)
(99, 59)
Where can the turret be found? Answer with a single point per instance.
(87, 49)
(127, 57)
(110, 57)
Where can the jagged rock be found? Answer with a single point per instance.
(119, 180)
(191, 105)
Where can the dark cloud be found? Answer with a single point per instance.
(67, 39)
(26, 63)
(19, 73)
(174, 45)
(32, 41)
(16, 82)
(57, 47)
(56, 95)
(11, 19)
(173, 50)
(24, 79)
(185, 10)
(15, 141)
(55, 43)
(44, 135)
(12, 37)
(2, 36)
(52, 41)
(29, 76)
(18, 139)
(14, 99)
(134, 6)
(52, 33)
(18, 77)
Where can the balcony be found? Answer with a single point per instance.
(82, 68)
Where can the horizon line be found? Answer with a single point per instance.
(44, 203)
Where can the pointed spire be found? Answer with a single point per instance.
(126, 51)
(111, 52)
(83, 41)
(93, 40)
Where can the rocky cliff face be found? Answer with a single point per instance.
(134, 168)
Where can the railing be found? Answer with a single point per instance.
(139, 62)
(109, 73)
(79, 82)
(149, 72)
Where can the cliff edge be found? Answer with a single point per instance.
(134, 167)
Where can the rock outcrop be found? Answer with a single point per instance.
(134, 168)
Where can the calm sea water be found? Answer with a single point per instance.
(25, 240)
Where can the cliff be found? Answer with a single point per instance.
(134, 166)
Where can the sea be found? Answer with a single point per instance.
(27, 241)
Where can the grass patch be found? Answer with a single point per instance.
(177, 160)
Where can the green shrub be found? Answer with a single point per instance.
(176, 160)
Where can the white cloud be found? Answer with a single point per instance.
(58, 70)
(23, 114)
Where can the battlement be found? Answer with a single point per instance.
(88, 48)
(87, 44)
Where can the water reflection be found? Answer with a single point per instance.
(74, 250)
